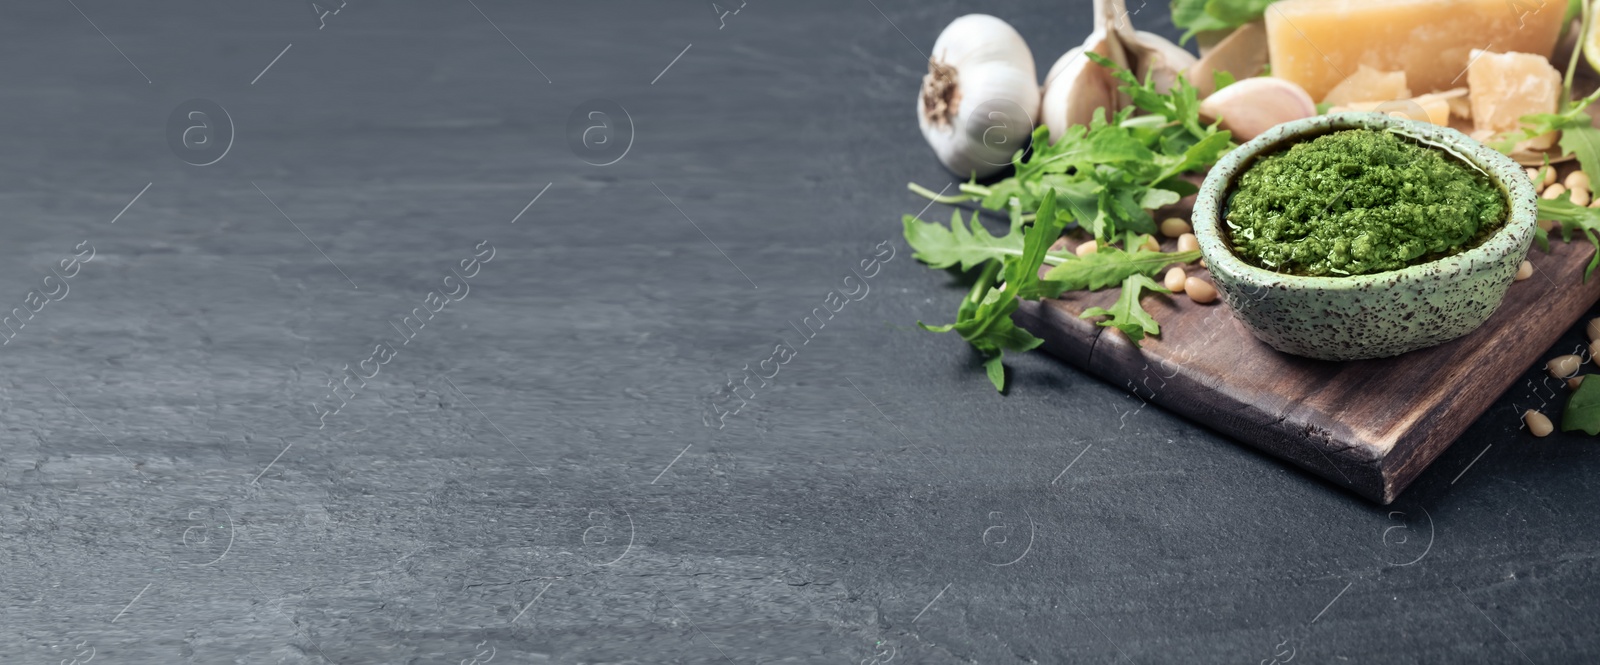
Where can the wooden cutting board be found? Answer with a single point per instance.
(1371, 425)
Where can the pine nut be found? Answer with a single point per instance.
(1538, 424)
(1564, 367)
(1545, 225)
(1087, 248)
(1173, 227)
(1200, 290)
(1577, 180)
(1549, 175)
(1533, 176)
(1524, 271)
(1151, 244)
(1553, 191)
(1188, 243)
(1174, 281)
(1580, 196)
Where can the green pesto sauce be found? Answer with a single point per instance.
(1358, 201)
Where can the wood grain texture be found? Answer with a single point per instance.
(1372, 425)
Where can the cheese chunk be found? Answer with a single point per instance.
(1460, 104)
(1369, 84)
(1319, 43)
(1427, 108)
(1506, 86)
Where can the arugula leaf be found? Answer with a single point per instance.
(1097, 148)
(1112, 265)
(1574, 117)
(1022, 275)
(1585, 143)
(1594, 260)
(984, 319)
(1203, 15)
(1238, 12)
(1155, 198)
(1573, 217)
(1192, 14)
(965, 245)
(1127, 314)
(1220, 79)
(1583, 409)
(1202, 154)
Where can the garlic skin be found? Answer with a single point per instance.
(980, 99)
(1160, 60)
(1242, 54)
(1076, 87)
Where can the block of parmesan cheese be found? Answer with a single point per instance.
(1319, 43)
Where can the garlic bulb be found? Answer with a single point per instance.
(980, 97)
(1076, 88)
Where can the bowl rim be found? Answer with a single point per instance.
(1521, 201)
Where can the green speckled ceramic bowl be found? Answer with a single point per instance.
(1367, 316)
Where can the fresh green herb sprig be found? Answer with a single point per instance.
(1109, 266)
(1104, 178)
(1127, 314)
(1583, 410)
(1573, 217)
(1204, 15)
(1571, 117)
(984, 319)
(1110, 174)
(1572, 120)
(1010, 271)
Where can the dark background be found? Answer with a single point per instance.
(501, 492)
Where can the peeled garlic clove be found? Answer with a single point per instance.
(1242, 54)
(979, 101)
(1252, 106)
(1077, 87)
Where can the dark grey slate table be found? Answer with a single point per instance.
(529, 477)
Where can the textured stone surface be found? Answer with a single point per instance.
(480, 495)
